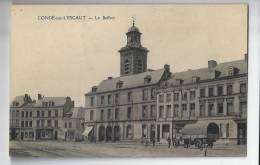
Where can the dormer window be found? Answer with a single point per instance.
(94, 89)
(119, 84)
(179, 81)
(147, 79)
(195, 79)
(232, 71)
(217, 74)
(15, 104)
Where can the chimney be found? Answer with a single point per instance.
(40, 96)
(246, 57)
(212, 64)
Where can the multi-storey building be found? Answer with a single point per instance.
(124, 108)
(216, 94)
(39, 119)
(146, 104)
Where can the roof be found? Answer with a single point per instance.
(206, 74)
(19, 100)
(130, 80)
(200, 128)
(78, 112)
(133, 29)
(58, 101)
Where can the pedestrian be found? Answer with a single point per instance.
(153, 142)
(169, 142)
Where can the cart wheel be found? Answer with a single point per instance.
(198, 143)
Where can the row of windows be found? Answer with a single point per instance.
(176, 110)
(68, 125)
(26, 124)
(145, 96)
(49, 114)
(42, 124)
(192, 96)
(129, 115)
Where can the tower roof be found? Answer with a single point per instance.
(133, 29)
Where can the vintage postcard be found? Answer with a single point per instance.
(128, 80)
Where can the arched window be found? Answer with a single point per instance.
(127, 66)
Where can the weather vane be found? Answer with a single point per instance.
(133, 21)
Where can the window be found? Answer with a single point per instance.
(161, 109)
(145, 111)
(227, 130)
(129, 97)
(211, 109)
(102, 114)
(202, 92)
(145, 94)
(243, 88)
(220, 108)
(153, 111)
(176, 96)
(38, 113)
(31, 114)
(242, 108)
(119, 84)
(42, 123)
(229, 89)
(27, 114)
(70, 124)
(126, 66)
(26, 123)
(184, 110)
(49, 123)
(168, 97)
(30, 124)
(42, 113)
(109, 114)
(56, 113)
(192, 109)
(92, 101)
(161, 98)
(117, 99)
(176, 110)
(168, 111)
(116, 114)
(129, 113)
(229, 108)
(38, 123)
(220, 90)
(211, 91)
(102, 100)
(147, 79)
(184, 96)
(202, 110)
(65, 125)
(22, 123)
(49, 113)
(91, 115)
(192, 95)
(56, 123)
(17, 113)
(108, 99)
(22, 113)
(231, 71)
(153, 94)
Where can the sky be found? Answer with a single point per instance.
(68, 57)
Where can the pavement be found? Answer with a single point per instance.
(20, 149)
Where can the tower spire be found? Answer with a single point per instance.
(133, 21)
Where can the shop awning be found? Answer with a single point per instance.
(87, 130)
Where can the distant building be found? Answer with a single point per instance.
(41, 119)
(144, 104)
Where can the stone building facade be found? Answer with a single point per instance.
(41, 119)
(156, 104)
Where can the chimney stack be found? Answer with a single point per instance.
(212, 64)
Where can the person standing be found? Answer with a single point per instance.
(169, 142)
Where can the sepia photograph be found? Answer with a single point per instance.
(128, 81)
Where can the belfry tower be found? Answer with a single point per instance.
(133, 56)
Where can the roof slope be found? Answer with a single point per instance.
(130, 80)
(58, 101)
